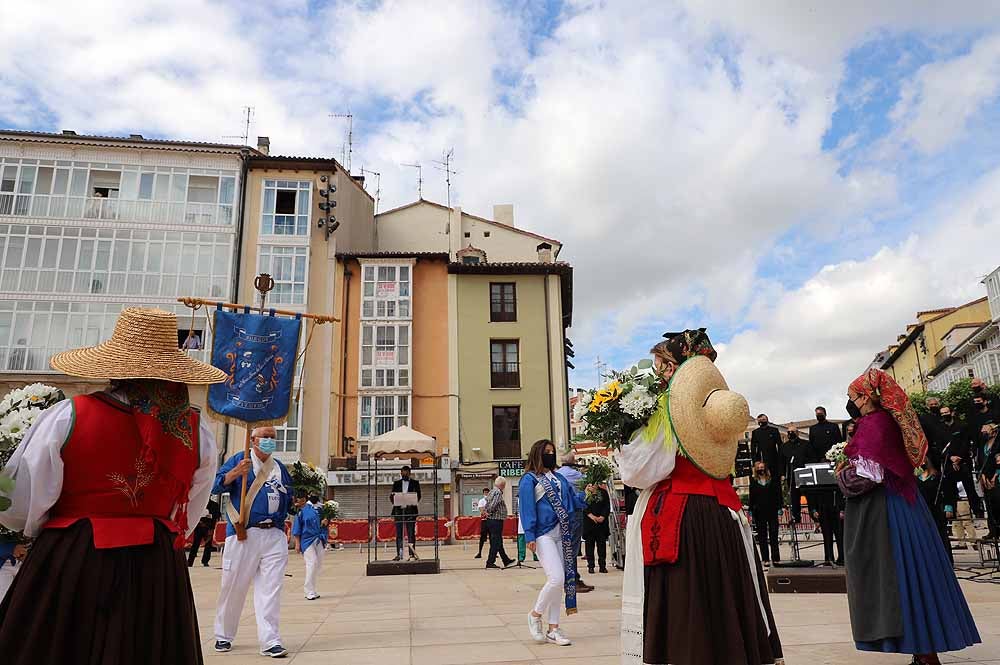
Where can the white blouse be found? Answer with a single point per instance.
(37, 469)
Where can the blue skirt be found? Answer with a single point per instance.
(936, 617)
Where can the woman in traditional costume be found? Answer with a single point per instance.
(901, 587)
(102, 483)
(547, 504)
(694, 590)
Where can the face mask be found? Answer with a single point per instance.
(852, 409)
(762, 423)
(549, 460)
(820, 417)
(936, 410)
(979, 405)
(267, 446)
(792, 436)
(949, 419)
(977, 390)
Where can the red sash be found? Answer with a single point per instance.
(661, 523)
(123, 473)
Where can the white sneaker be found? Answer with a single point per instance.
(535, 628)
(556, 637)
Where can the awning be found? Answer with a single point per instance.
(403, 442)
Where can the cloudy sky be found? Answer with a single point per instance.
(800, 177)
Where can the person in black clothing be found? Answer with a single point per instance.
(990, 455)
(405, 516)
(937, 498)
(822, 436)
(204, 532)
(984, 408)
(795, 455)
(765, 446)
(765, 504)
(484, 532)
(957, 458)
(631, 496)
(596, 529)
(936, 431)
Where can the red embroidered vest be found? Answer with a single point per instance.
(118, 482)
(661, 523)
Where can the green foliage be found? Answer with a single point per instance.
(958, 397)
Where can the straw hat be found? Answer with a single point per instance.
(143, 346)
(707, 417)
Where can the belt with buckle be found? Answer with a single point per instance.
(262, 525)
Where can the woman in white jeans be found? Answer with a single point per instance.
(547, 500)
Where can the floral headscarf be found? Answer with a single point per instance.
(876, 383)
(683, 345)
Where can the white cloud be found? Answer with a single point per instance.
(813, 340)
(936, 104)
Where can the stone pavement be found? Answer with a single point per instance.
(471, 615)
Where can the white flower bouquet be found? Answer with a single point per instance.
(623, 405)
(836, 454)
(329, 510)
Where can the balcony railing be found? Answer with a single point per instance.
(33, 359)
(85, 207)
(505, 375)
(986, 365)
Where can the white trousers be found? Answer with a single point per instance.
(314, 562)
(260, 559)
(7, 573)
(550, 598)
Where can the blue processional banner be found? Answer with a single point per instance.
(258, 355)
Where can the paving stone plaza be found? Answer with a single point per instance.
(471, 615)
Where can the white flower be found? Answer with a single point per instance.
(836, 453)
(4, 406)
(637, 403)
(580, 408)
(12, 426)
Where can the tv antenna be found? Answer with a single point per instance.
(350, 136)
(378, 185)
(445, 165)
(247, 120)
(420, 178)
(602, 368)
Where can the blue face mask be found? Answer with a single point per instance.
(267, 446)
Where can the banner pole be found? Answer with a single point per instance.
(241, 526)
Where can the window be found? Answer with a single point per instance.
(385, 292)
(382, 413)
(504, 364)
(286, 207)
(470, 260)
(385, 356)
(287, 265)
(503, 301)
(288, 434)
(506, 431)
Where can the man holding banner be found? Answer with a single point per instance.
(258, 354)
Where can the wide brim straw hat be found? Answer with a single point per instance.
(707, 417)
(143, 346)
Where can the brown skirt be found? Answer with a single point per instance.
(72, 603)
(703, 609)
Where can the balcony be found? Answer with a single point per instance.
(505, 375)
(178, 213)
(986, 365)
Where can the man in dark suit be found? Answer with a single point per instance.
(822, 436)
(765, 446)
(204, 532)
(795, 455)
(405, 516)
(958, 457)
(826, 504)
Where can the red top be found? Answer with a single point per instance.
(123, 474)
(661, 523)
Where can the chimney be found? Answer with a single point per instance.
(504, 213)
(264, 145)
(544, 253)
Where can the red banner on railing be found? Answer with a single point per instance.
(349, 531)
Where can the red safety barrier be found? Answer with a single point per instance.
(386, 531)
(425, 528)
(510, 527)
(349, 531)
(467, 528)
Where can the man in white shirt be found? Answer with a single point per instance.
(484, 533)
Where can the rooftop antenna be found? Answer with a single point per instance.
(420, 178)
(247, 119)
(378, 185)
(601, 369)
(350, 135)
(445, 165)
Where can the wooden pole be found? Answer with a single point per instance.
(241, 526)
(318, 318)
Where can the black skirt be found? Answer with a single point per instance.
(73, 603)
(703, 609)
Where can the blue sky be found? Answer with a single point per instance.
(798, 179)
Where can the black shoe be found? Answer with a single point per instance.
(604, 570)
(397, 558)
(205, 564)
(478, 556)
(222, 646)
(590, 569)
(508, 563)
(493, 565)
(277, 651)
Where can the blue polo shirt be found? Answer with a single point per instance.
(308, 528)
(272, 501)
(7, 553)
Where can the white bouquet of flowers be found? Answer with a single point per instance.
(18, 411)
(621, 406)
(836, 454)
(329, 510)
